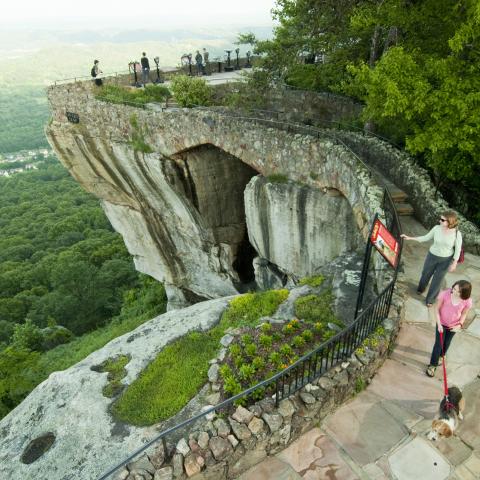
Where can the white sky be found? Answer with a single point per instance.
(161, 13)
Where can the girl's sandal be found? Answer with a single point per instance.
(431, 370)
(429, 305)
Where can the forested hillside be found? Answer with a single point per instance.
(65, 278)
(415, 65)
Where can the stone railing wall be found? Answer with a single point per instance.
(400, 168)
(228, 444)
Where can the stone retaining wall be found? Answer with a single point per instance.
(401, 169)
(227, 445)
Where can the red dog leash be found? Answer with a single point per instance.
(448, 405)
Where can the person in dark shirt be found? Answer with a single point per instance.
(199, 62)
(145, 68)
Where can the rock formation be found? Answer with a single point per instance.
(181, 208)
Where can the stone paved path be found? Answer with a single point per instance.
(381, 433)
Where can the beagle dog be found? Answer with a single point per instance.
(449, 415)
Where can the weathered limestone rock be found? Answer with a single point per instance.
(240, 430)
(274, 421)
(242, 415)
(297, 228)
(222, 427)
(219, 447)
(180, 208)
(267, 275)
(203, 439)
(256, 425)
(164, 474)
(77, 393)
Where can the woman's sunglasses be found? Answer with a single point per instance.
(443, 219)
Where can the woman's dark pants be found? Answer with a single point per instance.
(434, 268)
(437, 348)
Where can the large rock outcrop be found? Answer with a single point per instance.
(298, 228)
(69, 406)
(180, 208)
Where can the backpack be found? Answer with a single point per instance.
(93, 73)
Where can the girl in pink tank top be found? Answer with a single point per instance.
(451, 311)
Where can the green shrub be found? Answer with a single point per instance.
(266, 327)
(191, 91)
(258, 363)
(231, 386)
(275, 358)
(298, 341)
(27, 336)
(307, 335)
(314, 281)
(288, 329)
(251, 349)
(246, 339)
(235, 349)
(54, 336)
(266, 340)
(286, 350)
(133, 96)
(225, 371)
(246, 372)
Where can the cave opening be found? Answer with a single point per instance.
(214, 181)
(243, 264)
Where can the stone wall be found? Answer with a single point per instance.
(161, 202)
(226, 445)
(401, 169)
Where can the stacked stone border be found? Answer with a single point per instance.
(228, 444)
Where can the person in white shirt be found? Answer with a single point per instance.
(442, 255)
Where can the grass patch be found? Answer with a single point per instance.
(317, 308)
(247, 309)
(360, 385)
(170, 381)
(180, 369)
(116, 371)
(277, 178)
(133, 96)
(137, 140)
(314, 281)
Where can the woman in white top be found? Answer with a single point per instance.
(442, 255)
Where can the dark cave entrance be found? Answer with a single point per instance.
(214, 181)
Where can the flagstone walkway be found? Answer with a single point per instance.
(381, 433)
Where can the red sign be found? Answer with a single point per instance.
(385, 243)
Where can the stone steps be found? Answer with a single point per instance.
(399, 197)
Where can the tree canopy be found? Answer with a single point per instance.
(415, 65)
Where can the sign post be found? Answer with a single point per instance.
(386, 244)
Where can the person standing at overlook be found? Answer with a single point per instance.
(206, 62)
(145, 68)
(199, 62)
(442, 256)
(95, 72)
